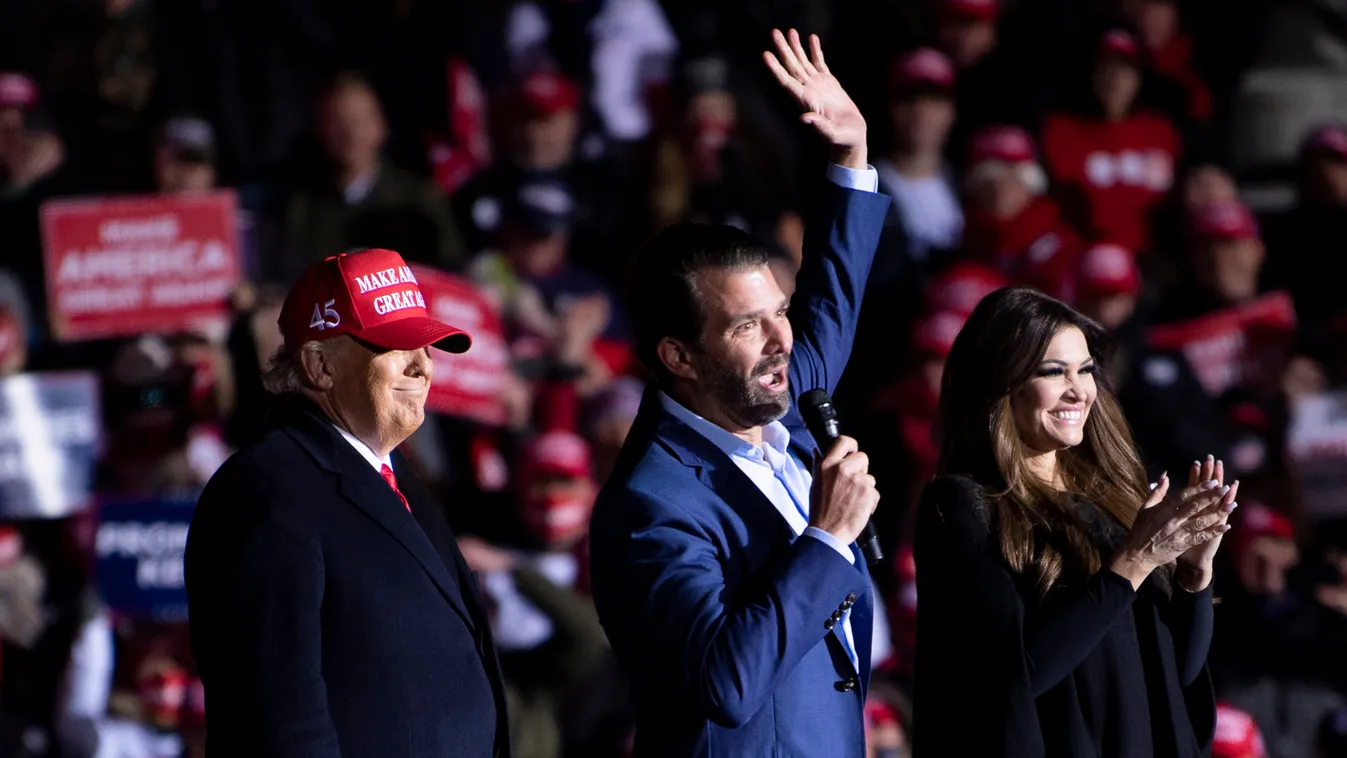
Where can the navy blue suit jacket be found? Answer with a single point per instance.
(328, 621)
(718, 613)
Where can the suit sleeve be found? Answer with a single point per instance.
(280, 580)
(839, 249)
(728, 646)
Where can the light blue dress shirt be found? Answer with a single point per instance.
(779, 477)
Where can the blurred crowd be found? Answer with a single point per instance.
(1176, 170)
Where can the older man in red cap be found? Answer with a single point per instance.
(332, 613)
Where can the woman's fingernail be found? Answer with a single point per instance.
(1231, 508)
(1228, 527)
(1212, 484)
(1210, 457)
(1225, 489)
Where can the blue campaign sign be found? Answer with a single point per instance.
(140, 546)
(50, 434)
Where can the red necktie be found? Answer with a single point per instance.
(387, 472)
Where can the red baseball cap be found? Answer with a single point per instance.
(17, 90)
(371, 295)
(924, 67)
(1331, 139)
(546, 93)
(978, 10)
(1224, 221)
(934, 333)
(1107, 269)
(11, 545)
(961, 287)
(556, 453)
(11, 334)
(1237, 734)
(1118, 44)
(1008, 144)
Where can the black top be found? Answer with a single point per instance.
(328, 621)
(1094, 669)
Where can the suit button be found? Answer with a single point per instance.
(837, 615)
(846, 605)
(846, 685)
(829, 624)
(851, 598)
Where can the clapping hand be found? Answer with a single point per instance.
(1195, 564)
(1169, 526)
(828, 107)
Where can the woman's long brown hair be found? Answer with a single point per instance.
(999, 349)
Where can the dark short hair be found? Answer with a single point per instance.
(662, 296)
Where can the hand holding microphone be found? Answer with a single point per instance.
(843, 496)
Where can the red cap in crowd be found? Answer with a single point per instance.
(1117, 43)
(923, 68)
(1107, 269)
(556, 453)
(163, 691)
(546, 93)
(17, 91)
(1331, 139)
(1224, 221)
(1007, 144)
(1237, 735)
(880, 713)
(961, 287)
(1258, 520)
(934, 333)
(11, 545)
(11, 335)
(371, 295)
(977, 10)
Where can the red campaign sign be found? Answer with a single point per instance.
(129, 265)
(1246, 345)
(466, 385)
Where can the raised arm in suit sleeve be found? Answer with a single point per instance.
(729, 648)
(839, 248)
(975, 628)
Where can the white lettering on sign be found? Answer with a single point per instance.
(385, 304)
(101, 299)
(210, 291)
(1151, 169)
(153, 229)
(136, 540)
(185, 258)
(389, 277)
(461, 313)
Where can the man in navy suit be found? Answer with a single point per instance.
(331, 611)
(724, 570)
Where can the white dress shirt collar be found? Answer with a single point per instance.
(364, 450)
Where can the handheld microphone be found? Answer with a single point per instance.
(821, 418)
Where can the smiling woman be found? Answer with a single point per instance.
(1048, 570)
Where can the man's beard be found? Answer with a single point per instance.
(744, 399)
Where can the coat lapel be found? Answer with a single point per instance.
(715, 470)
(368, 492)
(360, 484)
